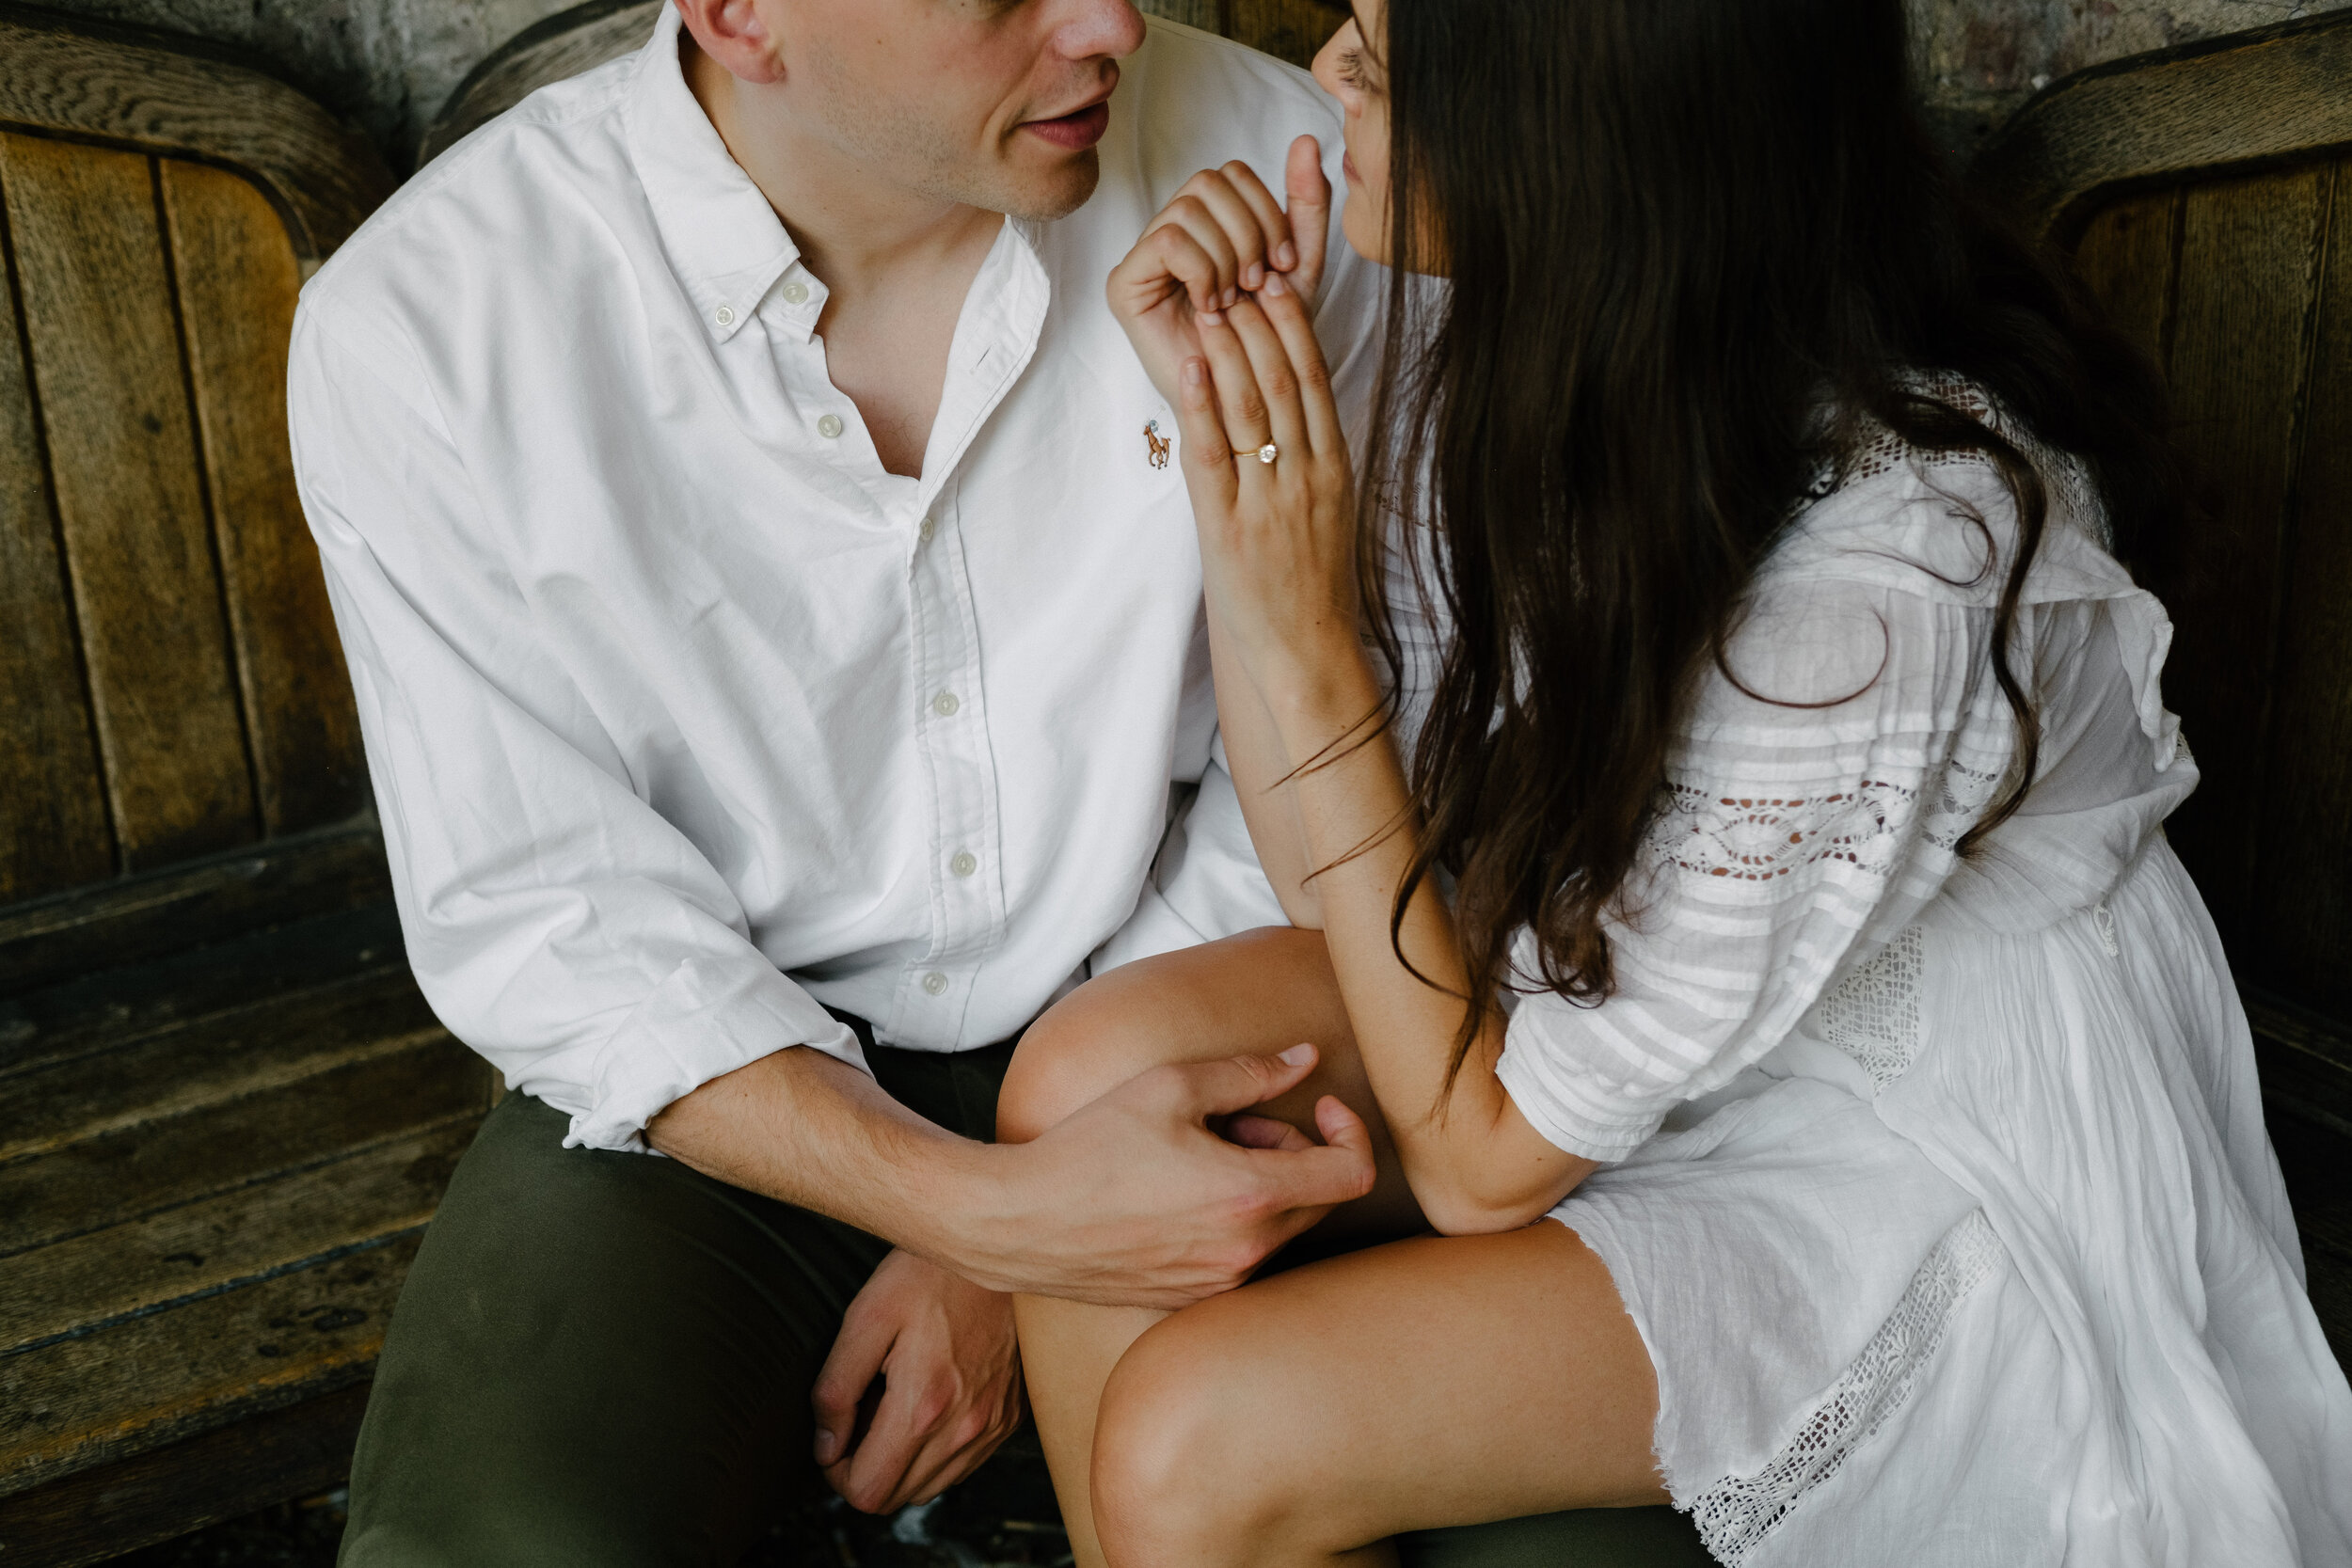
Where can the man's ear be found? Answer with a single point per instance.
(735, 33)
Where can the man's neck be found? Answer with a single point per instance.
(854, 230)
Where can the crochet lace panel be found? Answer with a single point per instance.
(1873, 1014)
(1758, 838)
(1736, 1517)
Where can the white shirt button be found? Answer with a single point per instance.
(928, 529)
(935, 983)
(965, 863)
(830, 427)
(796, 292)
(944, 705)
(724, 315)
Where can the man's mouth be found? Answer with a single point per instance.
(1076, 131)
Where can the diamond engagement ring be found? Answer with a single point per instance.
(1267, 454)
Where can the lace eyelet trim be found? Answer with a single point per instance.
(1740, 1513)
(1872, 1015)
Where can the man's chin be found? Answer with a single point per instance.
(1044, 195)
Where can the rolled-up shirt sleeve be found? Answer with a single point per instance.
(557, 923)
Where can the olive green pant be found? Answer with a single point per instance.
(605, 1359)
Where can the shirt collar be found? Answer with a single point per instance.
(723, 239)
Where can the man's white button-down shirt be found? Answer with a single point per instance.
(683, 714)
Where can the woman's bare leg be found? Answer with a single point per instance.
(1430, 1382)
(1262, 991)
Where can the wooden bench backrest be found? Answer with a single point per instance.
(169, 680)
(2206, 197)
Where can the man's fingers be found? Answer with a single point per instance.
(850, 1367)
(871, 1474)
(1310, 194)
(1215, 195)
(1237, 1083)
(1256, 1131)
(1199, 255)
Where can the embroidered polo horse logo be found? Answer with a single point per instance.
(1156, 442)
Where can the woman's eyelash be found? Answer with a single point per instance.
(1351, 67)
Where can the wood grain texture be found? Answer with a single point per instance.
(53, 815)
(562, 45)
(2249, 250)
(127, 1177)
(238, 279)
(2154, 119)
(1288, 29)
(2125, 258)
(143, 918)
(241, 1235)
(2301, 923)
(106, 368)
(65, 77)
(100, 1513)
(171, 1374)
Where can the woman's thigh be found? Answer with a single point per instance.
(1256, 993)
(1432, 1382)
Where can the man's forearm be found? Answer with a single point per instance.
(801, 1127)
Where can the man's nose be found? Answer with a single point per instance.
(1092, 29)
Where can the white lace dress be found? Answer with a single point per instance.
(1938, 1187)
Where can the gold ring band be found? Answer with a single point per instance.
(1267, 454)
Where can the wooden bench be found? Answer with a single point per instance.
(227, 1111)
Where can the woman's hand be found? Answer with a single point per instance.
(1222, 237)
(1273, 495)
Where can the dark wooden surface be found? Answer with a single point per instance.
(65, 77)
(112, 1509)
(2224, 105)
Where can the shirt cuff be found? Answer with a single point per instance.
(1573, 1110)
(702, 1023)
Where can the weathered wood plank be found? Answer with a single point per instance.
(2227, 103)
(106, 368)
(95, 1188)
(211, 1061)
(2125, 258)
(105, 1010)
(103, 1512)
(1289, 29)
(171, 1374)
(142, 918)
(221, 1242)
(2249, 250)
(53, 815)
(2302, 922)
(175, 94)
(238, 277)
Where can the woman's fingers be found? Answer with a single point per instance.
(1166, 253)
(1247, 421)
(1191, 216)
(1214, 192)
(1310, 214)
(1270, 370)
(1286, 311)
(1274, 225)
(1208, 460)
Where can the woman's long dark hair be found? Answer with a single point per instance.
(1676, 231)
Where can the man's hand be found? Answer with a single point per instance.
(1135, 1201)
(1220, 239)
(943, 1352)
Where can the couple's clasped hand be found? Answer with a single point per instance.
(1219, 300)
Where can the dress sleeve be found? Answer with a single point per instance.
(558, 923)
(1812, 808)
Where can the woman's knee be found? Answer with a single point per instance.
(1082, 1047)
(1186, 1470)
